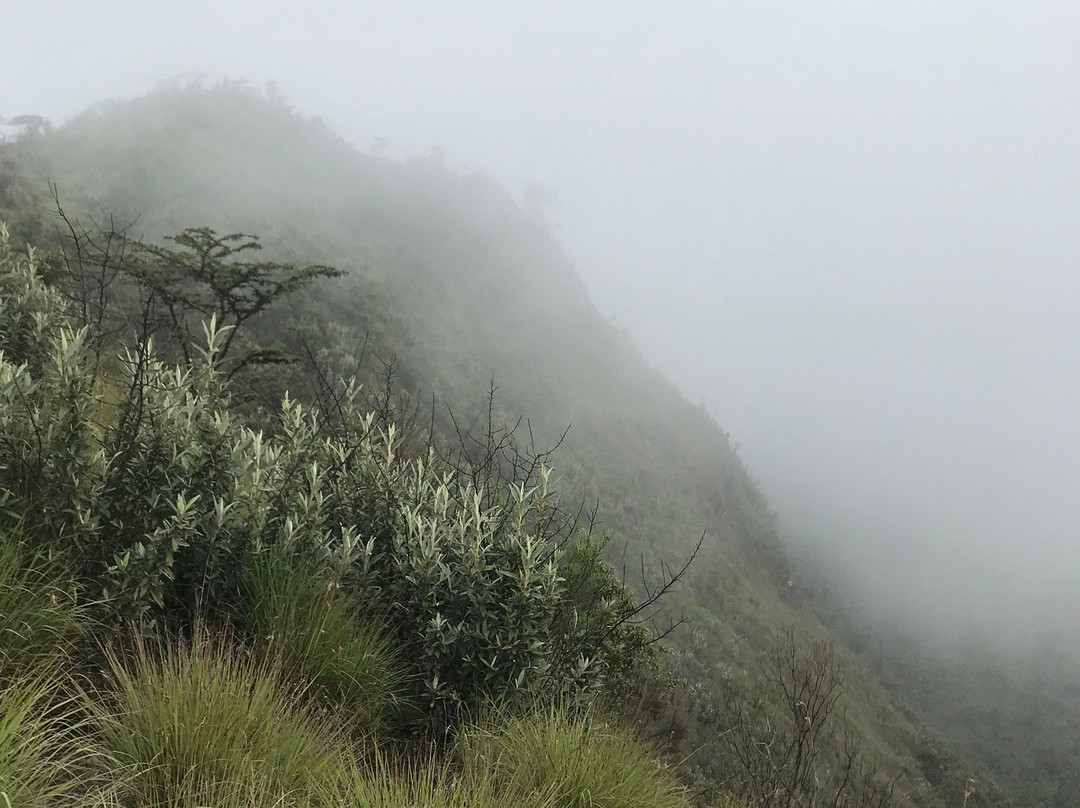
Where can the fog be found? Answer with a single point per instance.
(848, 229)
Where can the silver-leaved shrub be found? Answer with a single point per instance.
(136, 471)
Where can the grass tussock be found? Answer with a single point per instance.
(320, 636)
(431, 783)
(582, 762)
(46, 757)
(206, 723)
(39, 619)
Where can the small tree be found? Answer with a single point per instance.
(203, 277)
(804, 755)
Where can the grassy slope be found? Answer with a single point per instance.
(449, 275)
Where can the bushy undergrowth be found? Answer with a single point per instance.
(346, 577)
(30, 310)
(176, 510)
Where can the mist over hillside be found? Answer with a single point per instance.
(802, 280)
(845, 232)
(448, 279)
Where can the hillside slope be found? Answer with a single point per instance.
(447, 275)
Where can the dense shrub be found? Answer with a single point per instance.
(467, 582)
(168, 502)
(51, 462)
(31, 312)
(481, 588)
(600, 616)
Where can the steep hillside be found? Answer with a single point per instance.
(450, 278)
(1012, 710)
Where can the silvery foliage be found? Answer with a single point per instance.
(140, 472)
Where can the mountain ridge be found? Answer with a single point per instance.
(448, 276)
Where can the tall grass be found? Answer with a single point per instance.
(39, 619)
(319, 635)
(204, 720)
(430, 783)
(581, 762)
(45, 757)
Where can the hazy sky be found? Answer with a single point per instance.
(851, 229)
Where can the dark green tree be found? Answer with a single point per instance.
(204, 277)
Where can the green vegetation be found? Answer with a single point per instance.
(301, 617)
(269, 603)
(46, 755)
(382, 783)
(204, 280)
(195, 717)
(39, 619)
(582, 763)
(310, 585)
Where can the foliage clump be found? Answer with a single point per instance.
(268, 602)
(176, 512)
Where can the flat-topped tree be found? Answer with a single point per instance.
(203, 278)
(31, 124)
